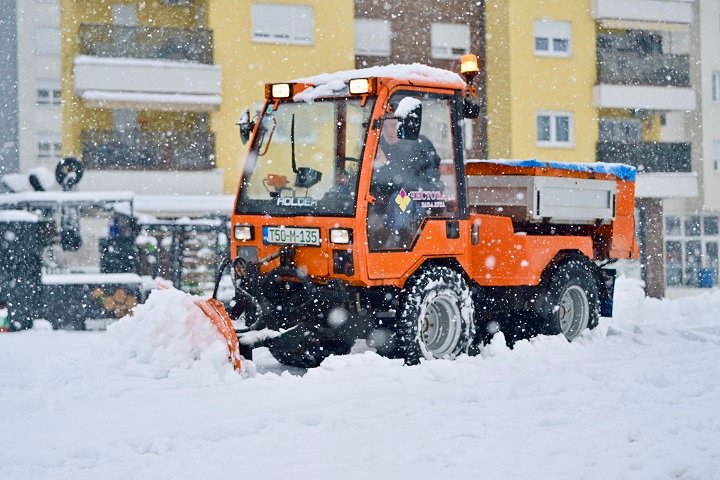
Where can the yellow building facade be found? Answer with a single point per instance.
(249, 62)
(541, 69)
(152, 91)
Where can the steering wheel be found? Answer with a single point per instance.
(341, 161)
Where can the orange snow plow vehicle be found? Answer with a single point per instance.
(359, 217)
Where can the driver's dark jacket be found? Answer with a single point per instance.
(412, 165)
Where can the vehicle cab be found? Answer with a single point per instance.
(316, 180)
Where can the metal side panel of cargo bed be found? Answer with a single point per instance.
(543, 199)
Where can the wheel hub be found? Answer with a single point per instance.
(573, 312)
(440, 327)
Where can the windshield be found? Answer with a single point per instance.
(305, 159)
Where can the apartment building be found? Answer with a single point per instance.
(691, 235)
(154, 89)
(645, 94)
(271, 41)
(30, 121)
(597, 80)
(434, 33)
(140, 84)
(9, 154)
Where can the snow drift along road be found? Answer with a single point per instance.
(154, 398)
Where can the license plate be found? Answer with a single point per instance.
(291, 235)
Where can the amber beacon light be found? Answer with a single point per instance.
(469, 67)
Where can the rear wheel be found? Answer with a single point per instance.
(571, 301)
(435, 316)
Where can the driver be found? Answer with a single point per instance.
(402, 166)
(408, 164)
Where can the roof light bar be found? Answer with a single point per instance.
(362, 86)
(278, 90)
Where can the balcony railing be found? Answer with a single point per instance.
(148, 150)
(630, 68)
(167, 43)
(647, 157)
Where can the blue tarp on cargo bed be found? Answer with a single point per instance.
(620, 170)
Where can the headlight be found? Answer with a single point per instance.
(340, 235)
(243, 232)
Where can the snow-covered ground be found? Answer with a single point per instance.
(153, 398)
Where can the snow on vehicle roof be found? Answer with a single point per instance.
(620, 170)
(327, 84)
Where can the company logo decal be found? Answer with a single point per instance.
(403, 199)
(296, 201)
(427, 199)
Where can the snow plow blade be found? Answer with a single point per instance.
(216, 313)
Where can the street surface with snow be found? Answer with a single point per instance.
(154, 398)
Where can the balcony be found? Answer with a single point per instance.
(641, 97)
(148, 150)
(157, 43)
(147, 68)
(612, 12)
(630, 68)
(647, 157)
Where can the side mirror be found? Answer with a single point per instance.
(409, 111)
(246, 126)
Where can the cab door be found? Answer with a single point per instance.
(416, 213)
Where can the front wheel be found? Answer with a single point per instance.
(571, 301)
(435, 316)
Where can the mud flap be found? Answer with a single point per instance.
(215, 311)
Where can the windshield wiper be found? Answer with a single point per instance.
(292, 143)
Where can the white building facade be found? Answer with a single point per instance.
(38, 83)
(691, 234)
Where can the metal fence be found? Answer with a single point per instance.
(148, 150)
(647, 157)
(167, 43)
(630, 68)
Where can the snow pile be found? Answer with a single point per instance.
(153, 397)
(632, 310)
(166, 335)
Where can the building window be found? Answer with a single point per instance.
(49, 146)
(372, 37)
(552, 38)
(673, 225)
(716, 155)
(691, 249)
(449, 40)
(620, 130)
(710, 225)
(47, 41)
(716, 86)
(279, 23)
(554, 129)
(48, 92)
